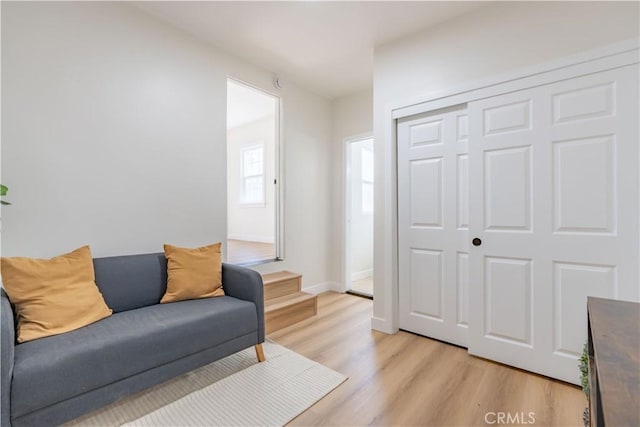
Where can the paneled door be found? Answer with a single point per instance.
(433, 220)
(554, 208)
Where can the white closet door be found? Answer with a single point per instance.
(554, 199)
(433, 224)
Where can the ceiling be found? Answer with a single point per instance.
(325, 46)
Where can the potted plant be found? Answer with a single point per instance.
(3, 192)
(584, 379)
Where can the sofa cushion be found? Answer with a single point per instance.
(131, 281)
(56, 368)
(53, 296)
(193, 273)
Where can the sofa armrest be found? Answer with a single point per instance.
(7, 344)
(245, 284)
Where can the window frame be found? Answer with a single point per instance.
(263, 190)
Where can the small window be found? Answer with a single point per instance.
(252, 170)
(367, 181)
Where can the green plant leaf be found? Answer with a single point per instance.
(584, 369)
(2, 202)
(3, 190)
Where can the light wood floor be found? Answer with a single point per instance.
(364, 286)
(405, 379)
(242, 252)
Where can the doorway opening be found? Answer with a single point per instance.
(359, 216)
(252, 175)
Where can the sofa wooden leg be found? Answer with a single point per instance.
(260, 353)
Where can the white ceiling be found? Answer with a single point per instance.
(325, 46)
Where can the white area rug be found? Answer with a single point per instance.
(235, 391)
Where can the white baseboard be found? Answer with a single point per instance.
(323, 287)
(361, 274)
(381, 325)
(251, 238)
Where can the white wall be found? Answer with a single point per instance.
(492, 40)
(252, 223)
(352, 117)
(309, 244)
(114, 128)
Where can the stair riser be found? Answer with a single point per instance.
(281, 288)
(289, 315)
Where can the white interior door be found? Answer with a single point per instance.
(433, 224)
(554, 201)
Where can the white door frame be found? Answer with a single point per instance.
(279, 201)
(346, 224)
(619, 54)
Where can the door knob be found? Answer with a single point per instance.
(476, 242)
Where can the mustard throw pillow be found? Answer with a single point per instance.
(54, 295)
(193, 273)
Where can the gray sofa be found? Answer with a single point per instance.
(51, 380)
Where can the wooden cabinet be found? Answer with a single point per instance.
(614, 362)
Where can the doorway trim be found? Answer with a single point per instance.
(279, 201)
(346, 212)
(386, 309)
